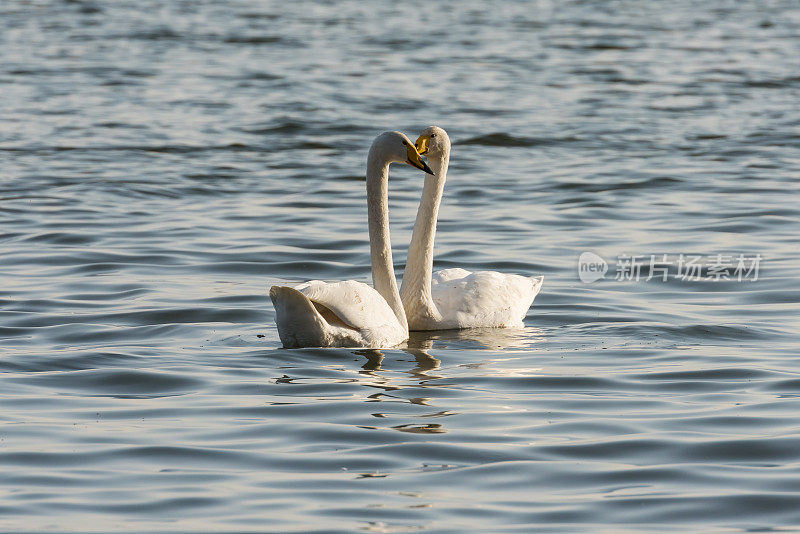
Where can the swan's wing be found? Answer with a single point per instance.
(356, 304)
(483, 298)
(446, 275)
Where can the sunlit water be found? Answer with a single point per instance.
(163, 163)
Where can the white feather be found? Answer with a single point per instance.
(483, 299)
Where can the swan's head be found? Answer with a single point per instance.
(396, 147)
(434, 142)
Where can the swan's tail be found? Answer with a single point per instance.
(299, 322)
(537, 282)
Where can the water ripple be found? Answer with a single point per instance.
(164, 163)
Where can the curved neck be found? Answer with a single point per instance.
(416, 287)
(380, 245)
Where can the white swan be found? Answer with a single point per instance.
(353, 314)
(454, 298)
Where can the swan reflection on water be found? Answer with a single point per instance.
(477, 338)
(421, 343)
(389, 378)
(474, 339)
(380, 371)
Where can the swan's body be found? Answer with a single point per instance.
(353, 314)
(455, 298)
(335, 314)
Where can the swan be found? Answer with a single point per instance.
(350, 313)
(454, 298)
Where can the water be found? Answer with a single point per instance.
(163, 163)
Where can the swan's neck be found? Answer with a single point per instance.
(416, 288)
(380, 245)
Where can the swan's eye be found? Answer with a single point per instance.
(433, 135)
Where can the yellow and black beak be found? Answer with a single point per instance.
(423, 141)
(415, 160)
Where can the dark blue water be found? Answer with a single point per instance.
(163, 163)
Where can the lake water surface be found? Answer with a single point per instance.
(163, 163)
